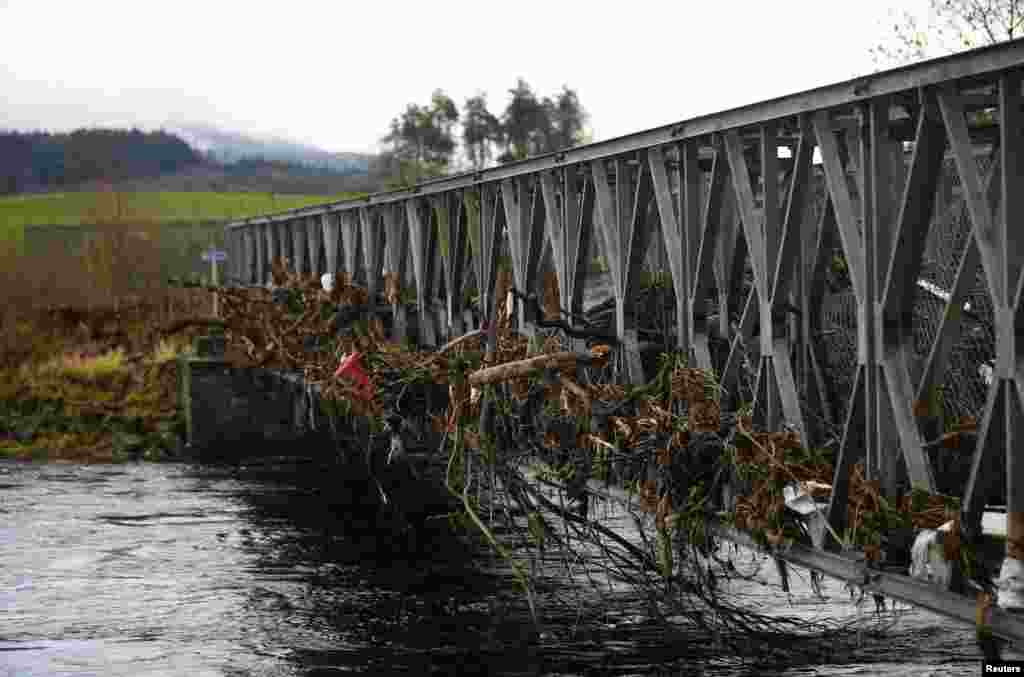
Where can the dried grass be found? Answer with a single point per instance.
(85, 367)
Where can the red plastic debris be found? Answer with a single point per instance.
(351, 368)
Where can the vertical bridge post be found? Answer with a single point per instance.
(622, 219)
(330, 231)
(422, 239)
(397, 245)
(314, 233)
(373, 251)
(350, 243)
(272, 249)
(298, 246)
(524, 217)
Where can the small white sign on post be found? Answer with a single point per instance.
(214, 256)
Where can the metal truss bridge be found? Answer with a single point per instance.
(764, 207)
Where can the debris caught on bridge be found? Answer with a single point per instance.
(513, 408)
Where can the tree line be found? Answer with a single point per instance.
(32, 161)
(422, 140)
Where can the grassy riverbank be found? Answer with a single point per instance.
(91, 385)
(86, 375)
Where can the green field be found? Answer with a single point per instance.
(91, 208)
(86, 208)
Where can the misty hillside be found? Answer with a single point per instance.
(196, 159)
(229, 147)
(258, 176)
(41, 161)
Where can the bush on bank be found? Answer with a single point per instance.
(66, 397)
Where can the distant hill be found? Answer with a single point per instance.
(229, 147)
(42, 161)
(258, 176)
(186, 158)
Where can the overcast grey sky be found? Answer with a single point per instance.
(334, 73)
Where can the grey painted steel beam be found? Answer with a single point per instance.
(620, 215)
(524, 216)
(881, 167)
(263, 252)
(486, 259)
(452, 230)
(298, 246)
(284, 241)
(676, 240)
(981, 217)
(580, 235)
(904, 588)
(555, 230)
(1008, 318)
(350, 243)
(396, 245)
(314, 234)
(330, 228)
(240, 255)
(373, 249)
(233, 251)
(272, 249)
(854, 570)
(896, 295)
(420, 247)
(569, 202)
(704, 271)
(249, 270)
(396, 240)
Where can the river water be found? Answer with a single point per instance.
(172, 569)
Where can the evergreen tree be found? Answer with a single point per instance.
(481, 131)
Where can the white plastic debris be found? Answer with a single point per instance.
(928, 557)
(939, 292)
(1011, 585)
(812, 512)
(327, 282)
(985, 371)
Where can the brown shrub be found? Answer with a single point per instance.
(107, 290)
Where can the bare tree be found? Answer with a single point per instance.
(950, 26)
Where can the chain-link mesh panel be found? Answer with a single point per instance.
(967, 380)
(967, 373)
(839, 347)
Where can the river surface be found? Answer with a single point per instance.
(172, 569)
